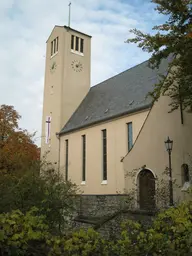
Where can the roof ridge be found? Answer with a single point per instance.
(119, 73)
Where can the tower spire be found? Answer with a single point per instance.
(69, 21)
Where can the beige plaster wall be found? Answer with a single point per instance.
(64, 89)
(117, 147)
(149, 148)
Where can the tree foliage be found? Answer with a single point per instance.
(23, 234)
(28, 234)
(17, 149)
(22, 186)
(174, 37)
(50, 193)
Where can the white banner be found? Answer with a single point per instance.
(47, 129)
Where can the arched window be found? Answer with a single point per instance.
(185, 173)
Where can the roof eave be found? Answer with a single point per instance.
(69, 28)
(145, 107)
(52, 31)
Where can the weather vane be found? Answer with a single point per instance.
(69, 14)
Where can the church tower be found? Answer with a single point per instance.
(67, 81)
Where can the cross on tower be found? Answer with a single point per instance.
(69, 14)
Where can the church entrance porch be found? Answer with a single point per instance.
(146, 182)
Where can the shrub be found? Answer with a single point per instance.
(50, 193)
(29, 234)
(23, 234)
(170, 234)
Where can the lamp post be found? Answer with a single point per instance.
(169, 147)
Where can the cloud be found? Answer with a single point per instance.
(26, 25)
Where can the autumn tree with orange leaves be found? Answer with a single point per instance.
(21, 185)
(17, 149)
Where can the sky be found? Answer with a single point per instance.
(26, 25)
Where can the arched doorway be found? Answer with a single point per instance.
(146, 184)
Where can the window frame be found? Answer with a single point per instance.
(185, 173)
(57, 44)
(81, 45)
(104, 155)
(129, 135)
(51, 48)
(77, 45)
(66, 159)
(83, 158)
(72, 42)
(54, 46)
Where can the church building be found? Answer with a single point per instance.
(96, 135)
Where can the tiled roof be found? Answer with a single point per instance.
(122, 94)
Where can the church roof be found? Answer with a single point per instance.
(117, 96)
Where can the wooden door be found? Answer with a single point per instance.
(146, 190)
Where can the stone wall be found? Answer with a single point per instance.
(102, 205)
(105, 213)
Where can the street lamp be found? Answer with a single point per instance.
(169, 147)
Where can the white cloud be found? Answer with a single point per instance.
(26, 25)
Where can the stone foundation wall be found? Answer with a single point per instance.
(103, 205)
(105, 213)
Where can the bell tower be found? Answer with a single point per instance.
(67, 81)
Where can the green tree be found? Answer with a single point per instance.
(50, 193)
(169, 234)
(174, 37)
(21, 184)
(23, 234)
(29, 234)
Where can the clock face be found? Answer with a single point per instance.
(53, 67)
(77, 66)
